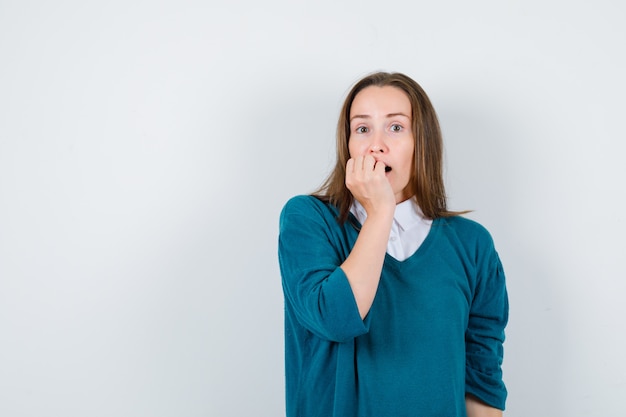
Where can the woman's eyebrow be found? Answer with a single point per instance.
(398, 114)
(360, 116)
(366, 116)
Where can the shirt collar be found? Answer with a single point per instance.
(407, 214)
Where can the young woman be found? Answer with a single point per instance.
(394, 305)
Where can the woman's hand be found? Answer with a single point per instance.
(477, 408)
(366, 180)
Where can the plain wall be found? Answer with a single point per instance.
(147, 147)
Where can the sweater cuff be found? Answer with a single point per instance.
(340, 316)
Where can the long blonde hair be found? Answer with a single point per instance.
(426, 181)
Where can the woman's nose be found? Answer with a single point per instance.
(377, 145)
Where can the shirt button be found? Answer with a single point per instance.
(393, 238)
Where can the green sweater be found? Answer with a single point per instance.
(433, 334)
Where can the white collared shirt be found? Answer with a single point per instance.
(408, 230)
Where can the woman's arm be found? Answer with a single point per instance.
(476, 408)
(368, 184)
(364, 264)
(488, 317)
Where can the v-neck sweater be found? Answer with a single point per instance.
(433, 334)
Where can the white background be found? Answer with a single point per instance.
(147, 147)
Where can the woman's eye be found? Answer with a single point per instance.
(396, 128)
(361, 129)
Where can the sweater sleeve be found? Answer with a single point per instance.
(485, 333)
(316, 289)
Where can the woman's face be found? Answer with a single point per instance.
(380, 125)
